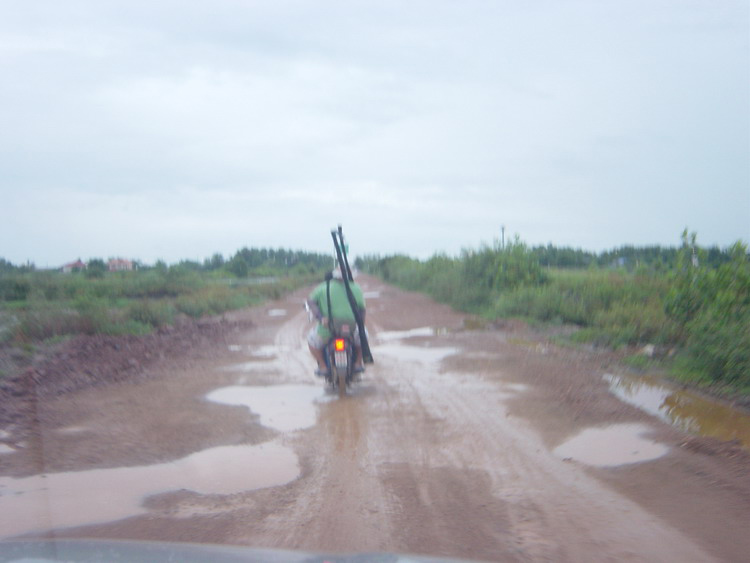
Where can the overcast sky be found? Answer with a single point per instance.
(176, 129)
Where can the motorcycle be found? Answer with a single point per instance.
(339, 354)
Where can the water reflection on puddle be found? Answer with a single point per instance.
(277, 313)
(614, 445)
(387, 336)
(419, 354)
(61, 500)
(283, 407)
(258, 352)
(5, 449)
(264, 351)
(70, 430)
(683, 409)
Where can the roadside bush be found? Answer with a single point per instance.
(14, 288)
(38, 305)
(192, 306)
(213, 301)
(711, 308)
(93, 315)
(629, 324)
(625, 309)
(153, 313)
(720, 346)
(128, 327)
(471, 282)
(43, 324)
(690, 299)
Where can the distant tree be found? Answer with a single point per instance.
(187, 266)
(216, 262)
(6, 266)
(96, 268)
(238, 266)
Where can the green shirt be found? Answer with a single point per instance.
(341, 310)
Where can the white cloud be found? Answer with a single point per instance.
(424, 126)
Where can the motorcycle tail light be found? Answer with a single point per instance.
(339, 344)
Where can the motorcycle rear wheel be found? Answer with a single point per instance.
(342, 382)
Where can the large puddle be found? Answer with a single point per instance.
(62, 500)
(683, 409)
(614, 445)
(283, 407)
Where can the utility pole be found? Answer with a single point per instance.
(502, 237)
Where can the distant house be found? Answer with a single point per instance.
(76, 266)
(119, 265)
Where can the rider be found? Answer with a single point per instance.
(342, 314)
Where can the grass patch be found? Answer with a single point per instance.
(641, 362)
(38, 307)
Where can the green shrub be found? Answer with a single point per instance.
(14, 288)
(128, 327)
(43, 324)
(632, 323)
(215, 300)
(711, 308)
(154, 313)
(93, 312)
(720, 345)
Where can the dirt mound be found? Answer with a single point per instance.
(89, 360)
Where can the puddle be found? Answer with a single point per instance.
(614, 445)
(277, 313)
(387, 336)
(419, 354)
(72, 430)
(5, 449)
(684, 409)
(371, 294)
(516, 387)
(282, 407)
(63, 500)
(234, 348)
(264, 352)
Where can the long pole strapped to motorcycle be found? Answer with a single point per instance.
(346, 276)
(343, 251)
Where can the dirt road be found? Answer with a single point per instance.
(458, 442)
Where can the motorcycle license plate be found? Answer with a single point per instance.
(341, 359)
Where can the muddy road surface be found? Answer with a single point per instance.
(486, 444)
